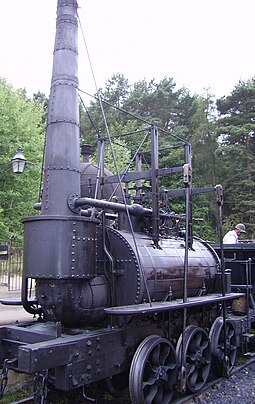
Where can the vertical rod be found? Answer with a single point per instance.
(10, 263)
(188, 186)
(219, 195)
(138, 164)
(154, 184)
(187, 179)
(99, 193)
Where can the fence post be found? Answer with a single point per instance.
(9, 263)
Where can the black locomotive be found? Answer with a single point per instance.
(120, 295)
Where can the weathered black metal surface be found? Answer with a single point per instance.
(146, 308)
(62, 161)
(66, 246)
(162, 268)
(77, 358)
(59, 244)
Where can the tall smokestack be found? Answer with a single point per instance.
(60, 244)
(62, 165)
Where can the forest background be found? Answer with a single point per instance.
(220, 131)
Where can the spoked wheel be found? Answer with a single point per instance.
(153, 372)
(118, 384)
(221, 364)
(196, 352)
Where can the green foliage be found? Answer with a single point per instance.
(117, 157)
(223, 145)
(21, 125)
(180, 117)
(236, 132)
(154, 102)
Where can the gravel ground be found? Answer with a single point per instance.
(238, 388)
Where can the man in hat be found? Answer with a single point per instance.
(232, 236)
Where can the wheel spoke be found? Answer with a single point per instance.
(230, 332)
(150, 381)
(155, 355)
(193, 378)
(198, 339)
(148, 371)
(164, 354)
(159, 396)
(204, 345)
(204, 373)
(170, 366)
(191, 369)
(149, 394)
(190, 358)
(232, 348)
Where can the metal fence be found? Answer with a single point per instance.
(11, 264)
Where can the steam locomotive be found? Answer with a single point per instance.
(121, 295)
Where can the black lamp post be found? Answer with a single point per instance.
(18, 162)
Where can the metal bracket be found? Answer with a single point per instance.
(71, 202)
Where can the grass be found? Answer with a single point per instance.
(12, 396)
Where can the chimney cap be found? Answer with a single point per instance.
(85, 149)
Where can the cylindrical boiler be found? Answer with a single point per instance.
(161, 268)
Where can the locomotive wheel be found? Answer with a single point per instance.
(216, 336)
(153, 372)
(197, 357)
(118, 384)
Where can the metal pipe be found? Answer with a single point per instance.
(135, 210)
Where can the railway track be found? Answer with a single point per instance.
(199, 397)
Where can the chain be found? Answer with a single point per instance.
(40, 387)
(4, 375)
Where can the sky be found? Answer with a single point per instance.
(201, 44)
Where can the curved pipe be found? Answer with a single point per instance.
(28, 306)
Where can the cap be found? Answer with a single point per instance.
(241, 227)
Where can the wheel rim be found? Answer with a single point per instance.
(153, 372)
(197, 357)
(217, 342)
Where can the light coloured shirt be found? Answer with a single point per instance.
(230, 238)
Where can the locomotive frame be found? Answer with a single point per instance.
(119, 295)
